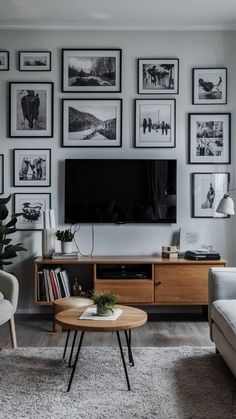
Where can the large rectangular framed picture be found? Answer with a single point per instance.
(209, 138)
(92, 122)
(155, 123)
(91, 70)
(158, 75)
(207, 191)
(31, 110)
(34, 61)
(32, 167)
(31, 205)
(209, 86)
(1, 174)
(4, 60)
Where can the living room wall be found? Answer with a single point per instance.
(194, 49)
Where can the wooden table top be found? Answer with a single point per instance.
(129, 319)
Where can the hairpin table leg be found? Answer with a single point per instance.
(128, 341)
(66, 344)
(76, 359)
(123, 360)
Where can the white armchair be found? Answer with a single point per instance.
(9, 290)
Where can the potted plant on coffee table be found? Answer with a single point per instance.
(105, 302)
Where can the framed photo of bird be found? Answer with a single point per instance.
(209, 86)
(31, 110)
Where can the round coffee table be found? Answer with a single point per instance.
(66, 303)
(129, 319)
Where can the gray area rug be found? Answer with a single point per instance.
(167, 383)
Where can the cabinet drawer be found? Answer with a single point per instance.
(129, 291)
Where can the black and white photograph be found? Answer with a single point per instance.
(31, 205)
(4, 60)
(35, 61)
(95, 70)
(155, 123)
(209, 86)
(92, 123)
(1, 174)
(31, 109)
(207, 191)
(158, 75)
(32, 167)
(209, 138)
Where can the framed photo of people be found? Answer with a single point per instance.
(91, 70)
(209, 138)
(31, 205)
(158, 76)
(31, 110)
(32, 167)
(207, 191)
(1, 174)
(92, 122)
(4, 60)
(209, 86)
(34, 61)
(155, 123)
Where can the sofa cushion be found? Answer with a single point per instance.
(1, 296)
(223, 313)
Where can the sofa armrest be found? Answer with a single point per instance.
(10, 288)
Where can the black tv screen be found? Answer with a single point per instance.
(120, 191)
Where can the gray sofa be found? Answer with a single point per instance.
(222, 313)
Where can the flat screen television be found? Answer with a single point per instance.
(120, 191)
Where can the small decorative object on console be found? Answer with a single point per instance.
(202, 255)
(170, 252)
(77, 289)
(66, 238)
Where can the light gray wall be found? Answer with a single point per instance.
(194, 49)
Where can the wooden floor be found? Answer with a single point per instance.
(37, 331)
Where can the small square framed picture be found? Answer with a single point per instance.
(4, 60)
(31, 205)
(155, 123)
(209, 138)
(32, 167)
(207, 191)
(34, 61)
(209, 86)
(1, 174)
(158, 75)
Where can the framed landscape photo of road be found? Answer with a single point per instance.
(209, 138)
(209, 86)
(31, 205)
(158, 75)
(32, 167)
(207, 192)
(91, 70)
(155, 124)
(4, 60)
(34, 61)
(31, 110)
(1, 174)
(92, 122)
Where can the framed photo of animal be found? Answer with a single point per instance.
(31, 206)
(32, 167)
(158, 75)
(31, 110)
(209, 86)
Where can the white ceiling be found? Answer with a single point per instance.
(118, 14)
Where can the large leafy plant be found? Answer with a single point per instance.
(7, 250)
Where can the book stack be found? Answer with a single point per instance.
(170, 252)
(53, 284)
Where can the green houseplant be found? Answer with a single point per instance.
(105, 302)
(66, 238)
(7, 250)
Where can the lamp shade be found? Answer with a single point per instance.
(226, 205)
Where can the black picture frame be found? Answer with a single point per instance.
(159, 136)
(86, 54)
(38, 66)
(209, 86)
(208, 188)
(1, 174)
(154, 82)
(28, 220)
(209, 138)
(19, 124)
(85, 104)
(4, 60)
(32, 167)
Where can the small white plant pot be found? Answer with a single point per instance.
(67, 247)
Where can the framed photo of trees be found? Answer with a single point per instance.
(158, 75)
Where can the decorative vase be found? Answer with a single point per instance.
(67, 247)
(104, 313)
(48, 242)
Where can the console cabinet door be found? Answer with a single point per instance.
(128, 291)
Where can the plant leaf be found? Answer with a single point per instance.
(5, 241)
(12, 222)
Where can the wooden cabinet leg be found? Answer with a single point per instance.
(13, 332)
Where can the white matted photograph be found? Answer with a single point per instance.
(92, 122)
(35, 61)
(155, 123)
(32, 167)
(207, 191)
(209, 86)
(4, 60)
(1, 174)
(209, 138)
(31, 109)
(158, 75)
(31, 205)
